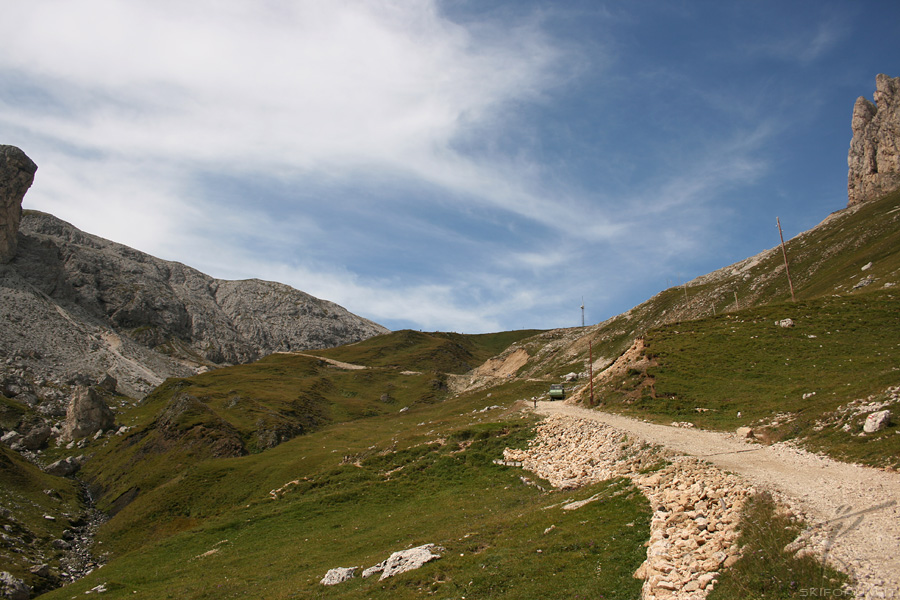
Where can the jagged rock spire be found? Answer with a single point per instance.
(16, 175)
(874, 157)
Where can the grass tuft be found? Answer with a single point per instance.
(766, 571)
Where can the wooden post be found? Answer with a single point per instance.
(784, 252)
(591, 368)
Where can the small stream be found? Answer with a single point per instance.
(79, 559)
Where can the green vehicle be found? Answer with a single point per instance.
(557, 391)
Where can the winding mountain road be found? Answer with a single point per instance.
(854, 510)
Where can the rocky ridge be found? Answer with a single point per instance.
(106, 308)
(78, 308)
(874, 157)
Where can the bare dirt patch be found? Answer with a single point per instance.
(505, 367)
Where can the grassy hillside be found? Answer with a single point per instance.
(814, 382)
(442, 352)
(253, 481)
(799, 382)
(369, 476)
(246, 409)
(271, 524)
(852, 252)
(27, 497)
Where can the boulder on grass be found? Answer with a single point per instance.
(404, 560)
(64, 467)
(338, 575)
(877, 421)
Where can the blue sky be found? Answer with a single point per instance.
(456, 165)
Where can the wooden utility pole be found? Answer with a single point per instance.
(784, 252)
(591, 368)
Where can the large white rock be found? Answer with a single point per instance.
(64, 466)
(338, 575)
(404, 560)
(877, 421)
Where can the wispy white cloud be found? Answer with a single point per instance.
(804, 46)
(330, 89)
(139, 98)
(427, 306)
(135, 203)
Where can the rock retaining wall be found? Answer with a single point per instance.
(696, 507)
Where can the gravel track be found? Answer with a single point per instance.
(854, 511)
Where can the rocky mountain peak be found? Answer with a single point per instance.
(874, 157)
(79, 308)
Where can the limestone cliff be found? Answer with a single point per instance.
(874, 157)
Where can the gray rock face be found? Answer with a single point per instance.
(80, 308)
(874, 157)
(13, 588)
(37, 437)
(87, 414)
(64, 467)
(16, 175)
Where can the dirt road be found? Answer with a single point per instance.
(855, 510)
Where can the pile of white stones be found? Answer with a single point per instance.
(570, 452)
(693, 530)
(397, 563)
